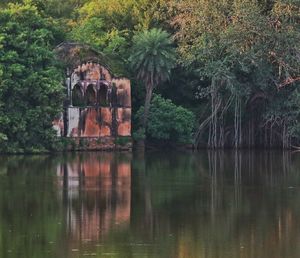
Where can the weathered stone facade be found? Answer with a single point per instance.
(98, 105)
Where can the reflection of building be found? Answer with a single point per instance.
(98, 108)
(97, 193)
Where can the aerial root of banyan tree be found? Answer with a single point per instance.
(245, 128)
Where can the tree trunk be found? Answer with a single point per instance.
(149, 90)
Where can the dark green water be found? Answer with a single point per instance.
(158, 205)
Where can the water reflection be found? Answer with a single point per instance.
(219, 204)
(177, 205)
(95, 190)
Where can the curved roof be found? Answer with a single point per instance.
(73, 54)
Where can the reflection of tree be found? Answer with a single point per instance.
(219, 204)
(29, 217)
(153, 192)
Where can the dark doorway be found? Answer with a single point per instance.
(77, 97)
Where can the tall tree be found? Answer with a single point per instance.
(31, 91)
(152, 58)
(245, 56)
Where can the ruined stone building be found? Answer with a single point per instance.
(98, 105)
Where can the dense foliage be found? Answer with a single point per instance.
(237, 66)
(167, 122)
(247, 53)
(30, 86)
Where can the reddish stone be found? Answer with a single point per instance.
(106, 115)
(105, 131)
(58, 126)
(123, 91)
(91, 128)
(124, 121)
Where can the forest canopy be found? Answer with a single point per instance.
(237, 66)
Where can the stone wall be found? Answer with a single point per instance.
(100, 143)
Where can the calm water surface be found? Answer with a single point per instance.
(158, 205)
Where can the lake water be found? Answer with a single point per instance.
(158, 205)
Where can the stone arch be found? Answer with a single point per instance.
(90, 95)
(102, 94)
(77, 96)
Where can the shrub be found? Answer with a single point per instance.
(122, 140)
(168, 122)
(139, 135)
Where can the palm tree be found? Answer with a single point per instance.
(152, 58)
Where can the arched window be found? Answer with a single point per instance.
(77, 97)
(102, 95)
(113, 96)
(90, 96)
